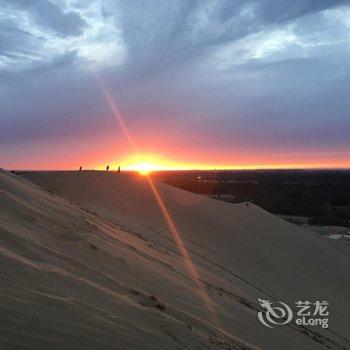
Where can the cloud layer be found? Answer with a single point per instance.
(216, 77)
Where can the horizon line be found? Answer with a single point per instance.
(183, 169)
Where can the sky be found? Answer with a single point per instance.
(174, 83)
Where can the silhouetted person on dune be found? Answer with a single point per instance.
(118, 170)
(81, 168)
(107, 167)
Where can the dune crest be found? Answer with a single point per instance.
(88, 261)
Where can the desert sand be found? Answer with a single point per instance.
(99, 260)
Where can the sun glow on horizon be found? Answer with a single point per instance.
(144, 168)
(146, 164)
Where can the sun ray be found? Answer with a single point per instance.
(193, 272)
(146, 168)
(115, 111)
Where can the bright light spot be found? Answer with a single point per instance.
(144, 168)
(145, 163)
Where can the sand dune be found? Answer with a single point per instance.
(88, 260)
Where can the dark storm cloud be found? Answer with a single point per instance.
(15, 44)
(279, 11)
(246, 73)
(163, 29)
(11, 37)
(50, 15)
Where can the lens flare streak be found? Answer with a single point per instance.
(184, 252)
(115, 111)
(202, 293)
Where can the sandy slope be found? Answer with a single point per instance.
(81, 275)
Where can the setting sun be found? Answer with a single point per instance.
(145, 164)
(144, 168)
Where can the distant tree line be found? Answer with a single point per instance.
(323, 196)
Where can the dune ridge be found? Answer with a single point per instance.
(88, 261)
